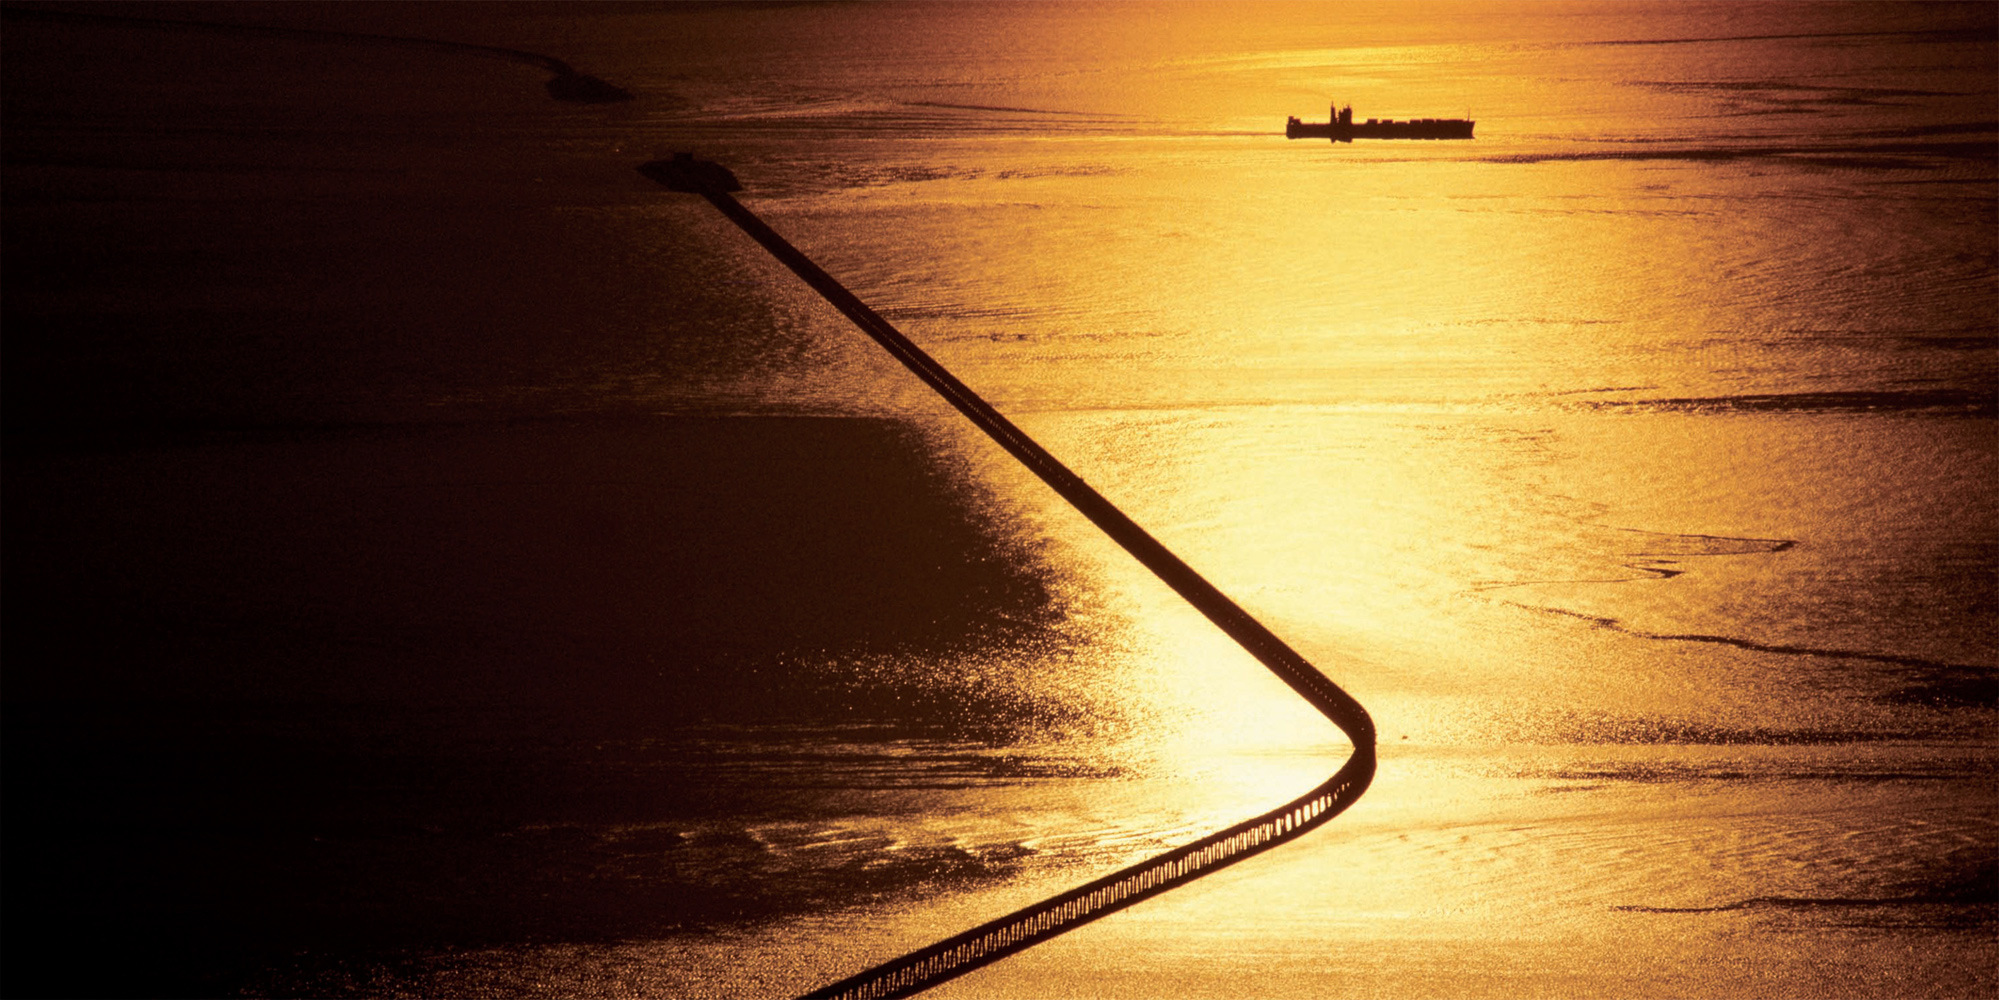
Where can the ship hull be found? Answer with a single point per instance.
(1421, 128)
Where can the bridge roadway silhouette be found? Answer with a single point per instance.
(989, 942)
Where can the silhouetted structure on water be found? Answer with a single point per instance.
(1342, 128)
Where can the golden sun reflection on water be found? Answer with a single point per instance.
(1406, 409)
(1632, 464)
(1373, 393)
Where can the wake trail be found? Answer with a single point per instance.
(1784, 649)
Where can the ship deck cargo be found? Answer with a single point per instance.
(1342, 128)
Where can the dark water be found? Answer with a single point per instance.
(439, 561)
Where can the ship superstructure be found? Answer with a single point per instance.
(1342, 128)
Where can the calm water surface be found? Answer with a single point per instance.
(1633, 463)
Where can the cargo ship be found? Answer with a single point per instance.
(1342, 128)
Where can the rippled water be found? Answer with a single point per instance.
(1633, 463)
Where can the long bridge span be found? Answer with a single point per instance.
(989, 942)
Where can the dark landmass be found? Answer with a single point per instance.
(402, 531)
(391, 690)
